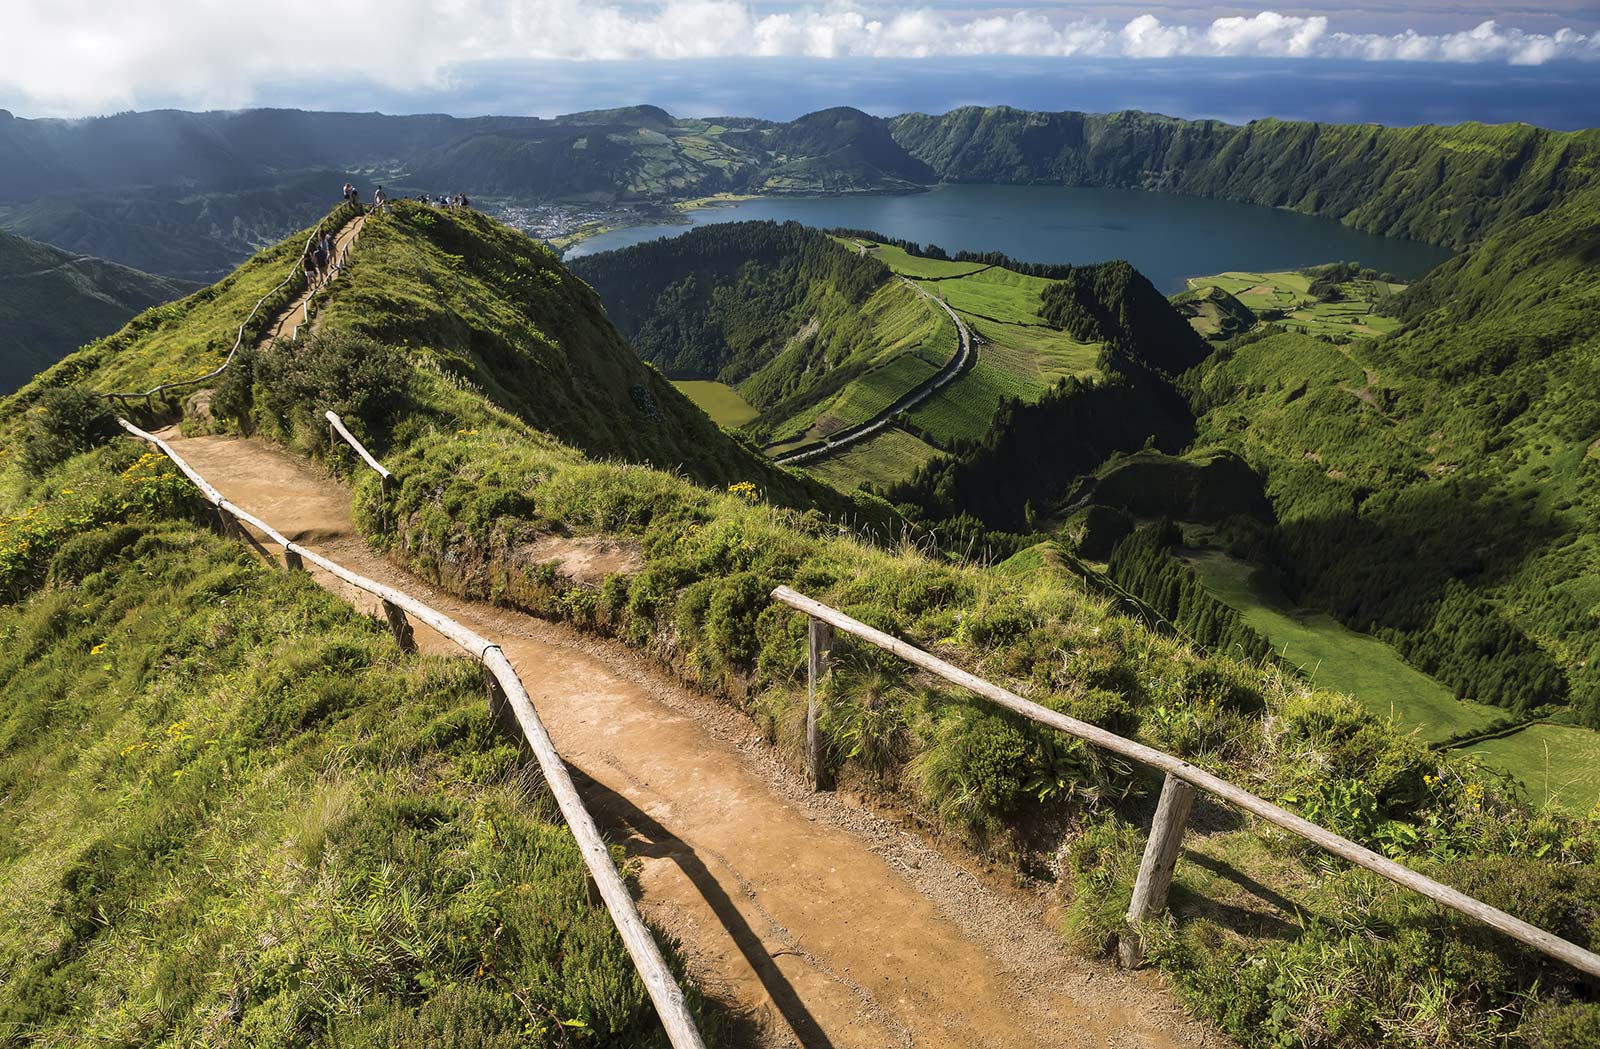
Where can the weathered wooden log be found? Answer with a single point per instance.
(400, 626)
(820, 636)
(1155, 869)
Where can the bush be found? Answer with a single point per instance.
(64, 423)
(285, 387)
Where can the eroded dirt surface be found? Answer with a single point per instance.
(815, 920)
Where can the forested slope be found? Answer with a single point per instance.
(1444, 185)
(1441, 486)
(434, 345)
(52, 302)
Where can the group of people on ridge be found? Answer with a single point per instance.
(321, 257)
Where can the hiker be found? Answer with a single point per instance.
(348, 189)
(377, 199)
(328, 246)
(320, 257)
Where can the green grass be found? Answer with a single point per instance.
(479, 477)
(910, 265)
(1559, 763)
(718, 400)
(887, 456)
(236, 814)
(1338, 658)
(1035, 357)
(997, 293)
(1289, 292)
(964, 409)
(899, 341)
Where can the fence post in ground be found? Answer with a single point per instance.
(1155, 869)
(821, 639)
(500, 709)
(401, 627)
(292, 562)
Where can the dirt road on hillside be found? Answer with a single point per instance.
(819, 923)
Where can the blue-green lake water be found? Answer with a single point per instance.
(1166, 237)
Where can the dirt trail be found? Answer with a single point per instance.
(294, 313)
(820, 923)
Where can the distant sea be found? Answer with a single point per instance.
(1558, 95)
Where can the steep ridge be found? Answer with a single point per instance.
(1269, 942)
(1444, 185)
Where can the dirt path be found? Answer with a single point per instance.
(295, 312)
(819, 922)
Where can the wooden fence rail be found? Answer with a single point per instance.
(336, 427)
(506, 689)
(1155, 872)
(238, 340)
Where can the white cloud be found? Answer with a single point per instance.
(77, 56)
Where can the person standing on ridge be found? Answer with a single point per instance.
(377, 199)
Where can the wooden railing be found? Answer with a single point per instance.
(506, 693)
(238, 340)
(336, 428)
(1177, 795)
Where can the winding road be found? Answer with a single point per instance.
(965, 357)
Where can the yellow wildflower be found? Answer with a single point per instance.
(96, 650)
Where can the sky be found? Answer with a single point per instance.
(86, 57)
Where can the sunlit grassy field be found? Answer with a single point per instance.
(885, 457)
(1555, 762)
(1290, 292)
(1336, 657)
(718, 400)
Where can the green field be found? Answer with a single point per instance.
(1288, 295)
(996, 293)
(1555, 762)
(1336, 657)
(885, 457)
(718, 400)
(908, 265)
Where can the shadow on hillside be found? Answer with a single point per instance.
(1273, 924)
(1419, 566)
(642, 836)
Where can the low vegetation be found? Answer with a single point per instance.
(237, 814)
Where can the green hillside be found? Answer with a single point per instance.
(1437, 486)
(237, 814)
(52, 302)
(494, 388)
(1444, 185)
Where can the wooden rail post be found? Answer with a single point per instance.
(403, 635)
(821, 639)
(500, 709)
(1155, 869)
(292, 561)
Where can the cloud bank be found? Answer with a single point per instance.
(81, 56)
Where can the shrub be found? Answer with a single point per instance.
(64, 423)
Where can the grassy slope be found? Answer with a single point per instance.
(1464, 435)
(236, 814)
(1556, 762)
(718, 400)
(1019, 357)
(1287, 296)
(875, 354)
(52, 302)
